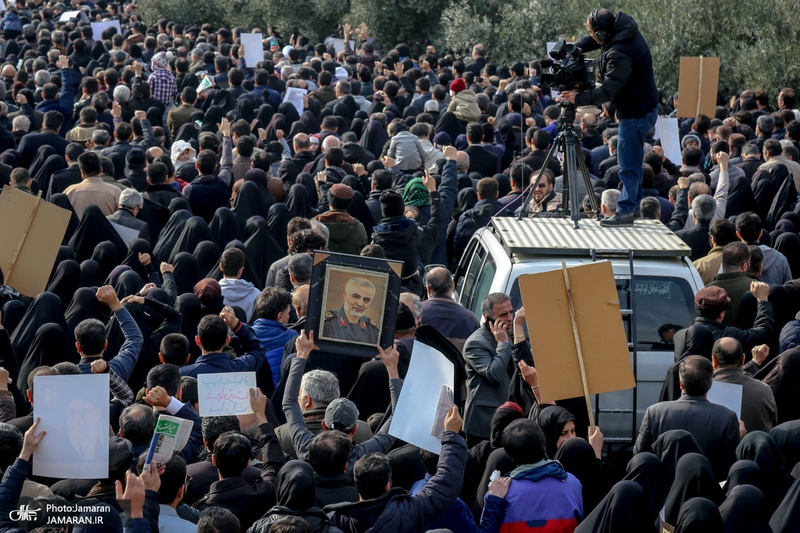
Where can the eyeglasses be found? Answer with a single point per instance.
(188, 480)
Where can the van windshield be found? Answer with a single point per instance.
(663, 306)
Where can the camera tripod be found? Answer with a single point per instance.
(574, 164)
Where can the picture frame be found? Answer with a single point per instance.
(352, 303)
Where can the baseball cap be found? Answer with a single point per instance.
(341, 414)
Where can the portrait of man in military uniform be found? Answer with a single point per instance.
(349, 321)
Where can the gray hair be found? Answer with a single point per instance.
(750, 149)
(463, 162)
(119, 56)
(300, 267)
(130, 199)
(613, 141)
(137, 422)
(100, 137)
(321, 386)
(361, 282)
(704, 207)
(414, 301)
(21, 123)
(610, 198)
(122, 94)
(765, 123)
(41, 77)
(491, 300)
(321, 228)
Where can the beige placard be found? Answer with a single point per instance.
(32, 233)
(697, 86)
(601, 333)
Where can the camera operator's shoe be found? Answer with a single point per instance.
(618, 219)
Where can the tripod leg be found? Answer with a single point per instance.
(535, 182)
(588, 182)
(572, 159)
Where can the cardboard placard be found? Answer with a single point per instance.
(418, 405)
(226, 393)
(697, 86)
(603, 343)
(28, 252)
(74, 410)
(98, 27)
(253, 48)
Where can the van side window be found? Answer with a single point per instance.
(482, 285)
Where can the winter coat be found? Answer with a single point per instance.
(465, 106)
(347, 234)
(239, 293)
(406, 149)
(273, 336)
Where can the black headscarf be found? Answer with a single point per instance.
(261, 250)
(106, 256)
(223, 227)
(289, 112)
(784, 380)
(90, 274)
(294, 486)
(36, 167)
(357, 126)
(65, 281)
(307, 180)
(622, 509)
(136, 247)
(298, 203)
(246, 109)
(699, 515)
(93, 229)
(50, 345)
(62, 201)
(248, 204)
(374, 137)
(578, 458)
(759, 447)
(278, 122)
(178, 203)
(64, 253)
(128, 283)
(670, 446)
(693, 479)
(185, 273)
(744, 472)
(787, 439)
(310, 121)
(277, 220)
(297, 127)
(212, 117)
(787, 515)
(358, 209)
(552, 420)
(206, 255)
(744, 511)
(264, 114)
(170, 234)
(194, 232)
(259, 177)
(646, 470)
(85, 305)
(46, 307)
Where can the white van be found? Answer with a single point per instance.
(664, 281)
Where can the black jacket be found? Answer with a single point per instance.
(290, 168)
(482, 161)
(697, 238)
(626, 67)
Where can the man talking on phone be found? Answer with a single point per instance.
(489, 366)
(626, 68)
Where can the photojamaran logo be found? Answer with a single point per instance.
(24, 513)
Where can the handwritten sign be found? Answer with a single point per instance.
(226, 393)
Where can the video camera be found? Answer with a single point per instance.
(571, 71)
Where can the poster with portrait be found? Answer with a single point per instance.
(353, 303)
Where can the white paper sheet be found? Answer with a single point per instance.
(127, 234)
(728, 395)
(667, 131)
(67, 15)
(294, 96)
(416, 407)
(98, 27)
(226, 393)
(338, 44)
(74, 412)
(253, 48)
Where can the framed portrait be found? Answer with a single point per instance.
(352, 303)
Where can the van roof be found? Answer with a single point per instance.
(557, 236)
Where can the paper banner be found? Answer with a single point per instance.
(417, 406)
(294, 96)
(98, 27)
(253, 48)
(74, 410)
(227, 393)
(28, 252)
(127, 234)
(667, 130)
(728, 395)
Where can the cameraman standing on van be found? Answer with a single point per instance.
(626, 68)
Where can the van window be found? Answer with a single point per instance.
(483, 285)
(660, 301)
(467, 283)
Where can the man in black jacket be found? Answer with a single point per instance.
(303, 155)
(627, 70)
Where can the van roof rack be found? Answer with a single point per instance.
(557, 236)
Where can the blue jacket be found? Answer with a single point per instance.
(123, 363)
(63, 103)
(448, 192)
(213, 363)
(273, 336)
(457, 518)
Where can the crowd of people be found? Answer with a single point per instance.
(224, 187)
